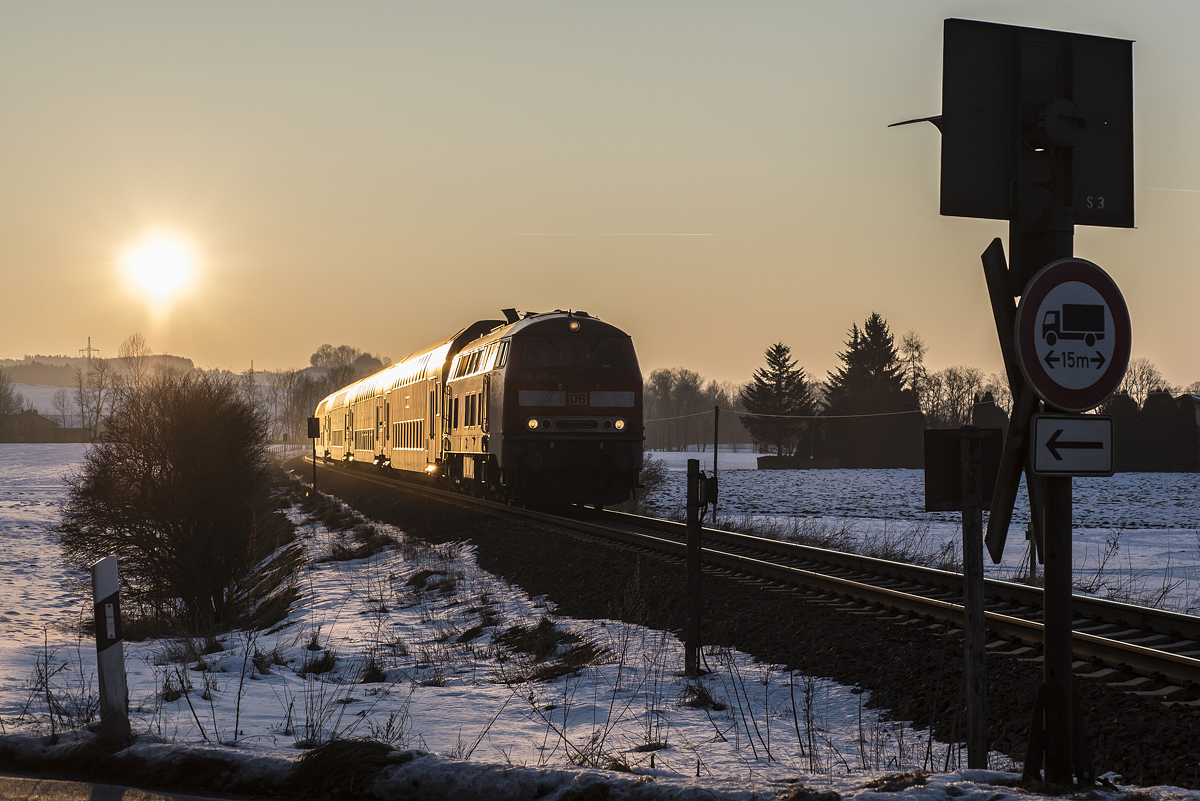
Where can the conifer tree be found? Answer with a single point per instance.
(871, 379)
(780, 388)
(871, 382)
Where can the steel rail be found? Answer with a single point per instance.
(1130, 615)
(1180, 669)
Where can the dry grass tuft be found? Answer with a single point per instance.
(539, 641)
(317, 665)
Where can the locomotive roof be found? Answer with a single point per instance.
(557, 321)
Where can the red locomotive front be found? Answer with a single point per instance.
(572, 411)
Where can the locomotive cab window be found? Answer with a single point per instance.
(595, 353)
(602, 352)
(548, 352)
(502, 354)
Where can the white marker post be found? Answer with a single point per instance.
(110, 655)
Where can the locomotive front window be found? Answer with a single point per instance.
(601, 352)
(549, 352)
(595, 353)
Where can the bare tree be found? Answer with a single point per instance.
(301, 395)
(135, 354)
(62, 407)
(1001, 393)
(1142, 378)
(95, 391)
(912, 354)
(949, 395)
(1193, 388)
(11, 401)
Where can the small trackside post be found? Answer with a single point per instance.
(314, 433)
(974, 621)
(110, 654)
(691, 631)
(712, 521)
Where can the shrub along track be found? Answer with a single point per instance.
(910, 667)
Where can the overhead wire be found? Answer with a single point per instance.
(786, 416)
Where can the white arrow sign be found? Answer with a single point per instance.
(1072, 445)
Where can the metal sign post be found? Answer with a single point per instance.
(110, 653)
(1037, 129)
(960, 470)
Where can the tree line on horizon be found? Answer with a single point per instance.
(94, 386)
(871, 410)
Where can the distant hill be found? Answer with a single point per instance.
(59, 371)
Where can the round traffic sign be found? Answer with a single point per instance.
(1073, 335)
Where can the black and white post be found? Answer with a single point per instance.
(110, 654)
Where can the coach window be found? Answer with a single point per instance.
(454, 415)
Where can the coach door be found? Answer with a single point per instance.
(432, 418)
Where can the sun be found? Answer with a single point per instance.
(160, 267)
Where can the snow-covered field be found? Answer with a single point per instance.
(444, 686)
(1137, 535)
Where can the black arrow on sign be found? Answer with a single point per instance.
(1054, 446)
(1099, 360)
(1050, 360)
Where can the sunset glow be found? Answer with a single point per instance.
(159, 267)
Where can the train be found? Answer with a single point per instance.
(537, 408)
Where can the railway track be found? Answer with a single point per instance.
(1142, 650)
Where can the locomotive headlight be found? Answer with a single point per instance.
(574, 325)
(533, 424)
(619, 424)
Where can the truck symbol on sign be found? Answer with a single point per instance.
(1076, 321)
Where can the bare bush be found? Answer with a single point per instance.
(178, 488)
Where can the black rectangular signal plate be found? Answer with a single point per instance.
(943, 467)
(993, 76)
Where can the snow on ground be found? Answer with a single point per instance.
(444, 687)
(1137, 535)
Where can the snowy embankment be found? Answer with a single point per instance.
(485, 691)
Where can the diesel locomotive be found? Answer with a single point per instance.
(537, 408)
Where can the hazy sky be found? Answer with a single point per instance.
(711, 177)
